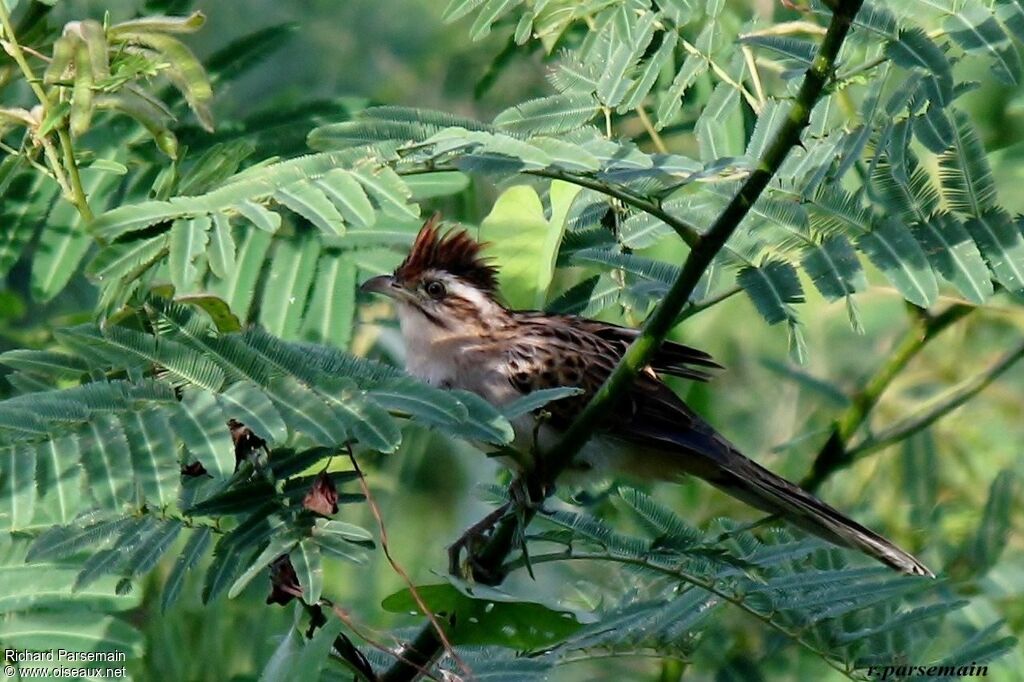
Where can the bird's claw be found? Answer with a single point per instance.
(523, 495)
(472, 538)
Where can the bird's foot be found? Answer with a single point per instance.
(470, 540)
(526, 494)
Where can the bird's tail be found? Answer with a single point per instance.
(748, 481)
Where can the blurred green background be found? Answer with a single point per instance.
(928, 495)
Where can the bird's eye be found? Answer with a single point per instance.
(435, 289)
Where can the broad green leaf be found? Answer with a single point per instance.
(526, 242)
(367, 422)
(719, 128)
(387, 188)
(266, 220)
(51, 363)
(488, 616)
(484, 421)
(47, 586)
(430, 185)
(118, 261)
(22, 216)
(411, 397)
(342, 540)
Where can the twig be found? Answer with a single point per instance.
(706, 247)
(72, 189)
(659, 143)
(702, 305)
(25, 155)
(14, 49)
(386, 548)
(755, 77)
(929, 414)
(687, 232)
(723, 75)
(698, 581)
(78, 197)
(376, 644)
(834, 454)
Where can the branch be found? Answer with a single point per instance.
(72, 186)
(695, 580)
(834, 455)
(687, 232)
(385, 546)
(929, 414)
(490, 559)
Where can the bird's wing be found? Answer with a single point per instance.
(672, 358)
(556, 352)
(548, 352)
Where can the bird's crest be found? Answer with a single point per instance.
(454, 252)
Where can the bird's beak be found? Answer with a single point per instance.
(382, 284)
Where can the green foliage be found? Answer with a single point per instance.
(184, 387)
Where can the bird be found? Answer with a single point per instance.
(459, 335)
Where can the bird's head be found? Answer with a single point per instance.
(444, 282)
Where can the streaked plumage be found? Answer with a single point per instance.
(458, 335)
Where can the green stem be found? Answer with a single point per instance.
(691, 579)
(686, 231)
(71, 185)
(78, 197)
(834, 455)
(930, 414)
(19, 57)
(702, 305)
(492, 556)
